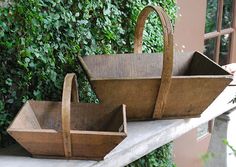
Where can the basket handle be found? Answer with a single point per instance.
(168, 53)
(70, 93)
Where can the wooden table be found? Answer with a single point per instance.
(143, 137)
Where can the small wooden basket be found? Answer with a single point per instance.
(156, 86)
(69, 129)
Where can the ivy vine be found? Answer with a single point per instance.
(41, 39)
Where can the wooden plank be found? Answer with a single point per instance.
(26, 118)
(40, 142)
(202, 65)
(94, 146)
(233, 37)
(133, 65)
(215, 33)
(138, 107)
(219, 26)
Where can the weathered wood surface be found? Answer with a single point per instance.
(139, 142)
(190, 81)
(144, 82)
(167, 69)
(69, 129)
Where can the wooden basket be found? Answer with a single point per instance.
(155, 86)
(80, 131)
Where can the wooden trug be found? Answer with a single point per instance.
(156, 86)
(68, 129)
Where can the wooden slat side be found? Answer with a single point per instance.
(40, 143)
(124, 118)
(139, 95)
(202, 65)
(198, 95)
(133, 65)
(96, 117)
(94, 146)
(48, 113)
(26, 119)
(115, 121)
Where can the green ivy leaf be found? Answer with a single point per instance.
(41, 39)
(1, 106)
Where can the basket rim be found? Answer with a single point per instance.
(114, 133)
(228, 76)
(12, 130)
(92, 78)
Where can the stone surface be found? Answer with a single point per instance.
(224, 129)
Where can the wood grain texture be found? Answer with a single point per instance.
(145, 82)
(167, 55)
(92, 130)
(133, 66)
(134, 80)
(26, 118)
(138, 143)
(66, 100)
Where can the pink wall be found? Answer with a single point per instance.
(189, 36)
(190, 25)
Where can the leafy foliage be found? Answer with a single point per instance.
(211, 15)
(40, 41)
(225, 141)
(158, 158)
(207, 157)
(211, 26)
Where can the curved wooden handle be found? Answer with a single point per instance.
(168, 53)
(70, 93)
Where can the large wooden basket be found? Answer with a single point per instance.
(155, 86)
(71, 130)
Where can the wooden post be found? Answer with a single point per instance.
(233, 37)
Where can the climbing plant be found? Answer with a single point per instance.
(158, 158)
(40, 41)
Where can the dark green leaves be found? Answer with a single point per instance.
(41, 39)
(159, 158)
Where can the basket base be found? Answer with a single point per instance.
(165, 118)
(182, 117)
(71, 158)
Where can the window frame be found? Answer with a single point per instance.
(220, 32)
